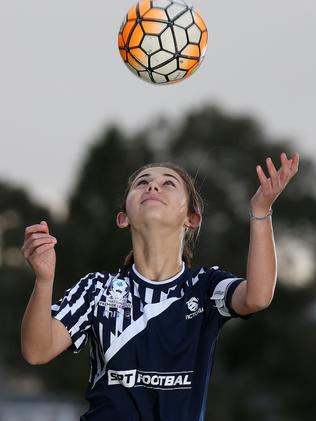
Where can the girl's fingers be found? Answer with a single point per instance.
(36, 236)
(35, 244)
(264, 181)
(42, 227)
(45, 247)
(284, 171)
(275, 181)
(294, 164)
(278, 179)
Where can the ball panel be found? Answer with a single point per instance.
(140, 56)
(123, 54)
(161, 3)
(132, 69)
(144, 6)
(156, 14)
(199, 21)
(136, 37)
(181, 37)
(134, 63)
(122, 25)
(132, 13)
(192, 51)
(128, 29)
(182, 2)
(203, 43)
(150, 44)
(194, 34)
(159, 58)
(178, 74)
(174, 10)
(184, 20)
(193, 69)
(168, 68)
(155, 28)
(186, 63)
(159, 78)
(121, 43)
(167, 40)
(145, 75)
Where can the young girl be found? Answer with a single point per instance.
(153, 325)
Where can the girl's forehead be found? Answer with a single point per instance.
(157, 171)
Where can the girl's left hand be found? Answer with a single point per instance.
(271, 187)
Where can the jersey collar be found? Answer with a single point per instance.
(148, 282)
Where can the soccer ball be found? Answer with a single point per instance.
(162, 41)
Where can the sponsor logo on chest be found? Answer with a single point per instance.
(193, 307)
(151, 379)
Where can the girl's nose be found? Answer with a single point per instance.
(153, 185)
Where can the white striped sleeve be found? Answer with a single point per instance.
(220, 296)
(222, 286)
(75, 310)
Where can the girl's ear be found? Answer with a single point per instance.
(122, 220)
(193, 221)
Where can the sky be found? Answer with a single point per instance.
(63, 81)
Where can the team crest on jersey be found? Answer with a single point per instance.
(117, 295)
(193, 306)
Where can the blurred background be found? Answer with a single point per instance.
(75, 123)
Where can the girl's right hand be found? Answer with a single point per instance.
(38, 250)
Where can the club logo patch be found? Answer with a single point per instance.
(193, 306)
(117, 295)
(119, 289)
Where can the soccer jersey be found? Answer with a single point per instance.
(151, 343)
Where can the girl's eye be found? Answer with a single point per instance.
(140, 182)
(145, 181)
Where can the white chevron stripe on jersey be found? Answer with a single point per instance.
(81, 320)
(98, 353)
(79, 341)
(74, 307)
(141, 307)
(101, 334)
(149, 295)
(119, 322)
(163, 296)
(150, 311)
(196, 278)
(136, 290)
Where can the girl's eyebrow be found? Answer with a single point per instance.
(168, 175)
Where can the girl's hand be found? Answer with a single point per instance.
(38, 250)
(271, 187)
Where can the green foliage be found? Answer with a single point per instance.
(264, 367)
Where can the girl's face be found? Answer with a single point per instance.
(159, 195)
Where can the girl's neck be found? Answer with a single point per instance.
(158, 259)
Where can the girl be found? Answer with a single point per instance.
(153, 325)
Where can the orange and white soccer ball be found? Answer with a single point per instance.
(162, 41)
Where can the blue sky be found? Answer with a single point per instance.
(63, 80)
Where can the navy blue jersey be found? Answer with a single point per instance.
(151, 343)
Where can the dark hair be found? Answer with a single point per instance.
(195, 205)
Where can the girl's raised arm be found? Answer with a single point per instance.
(257, 292)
